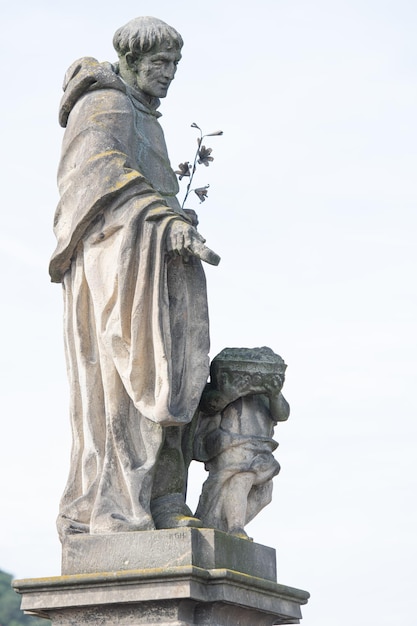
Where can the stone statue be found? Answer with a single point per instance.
(238, 411)
(136, 323)
(136, 330)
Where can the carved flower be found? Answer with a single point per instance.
(213, 134)
(201, 192)
(184, 170)
(204, 156)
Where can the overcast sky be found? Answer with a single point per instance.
(312, 207)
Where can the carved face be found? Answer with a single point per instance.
(156, 70)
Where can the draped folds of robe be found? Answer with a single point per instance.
(136, 322)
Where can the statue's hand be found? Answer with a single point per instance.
(272, 385)
(279, 407)
(184, 239)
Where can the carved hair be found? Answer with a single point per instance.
(142, 34)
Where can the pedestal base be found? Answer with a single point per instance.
(183, 594)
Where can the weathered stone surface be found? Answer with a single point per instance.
(177, 596)
(234, 437)
(135, 305)
(203, 548)
(192, 577)
(136, 320)
(136, 333)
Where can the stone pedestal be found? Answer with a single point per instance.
(187, 577)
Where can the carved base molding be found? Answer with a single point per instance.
(184, 594)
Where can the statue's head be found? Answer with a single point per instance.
(149, 51)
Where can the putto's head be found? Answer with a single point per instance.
(149, 51)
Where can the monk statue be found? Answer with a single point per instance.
(135, 306)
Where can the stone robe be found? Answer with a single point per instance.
(136, 323)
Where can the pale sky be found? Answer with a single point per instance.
(312, 207)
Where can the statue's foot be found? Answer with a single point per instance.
(117, 523)
(68, 526)
(240, 533)
(170, 511)
(176, 520)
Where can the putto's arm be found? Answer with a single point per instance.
(279, 407)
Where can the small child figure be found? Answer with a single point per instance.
(238, 412)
